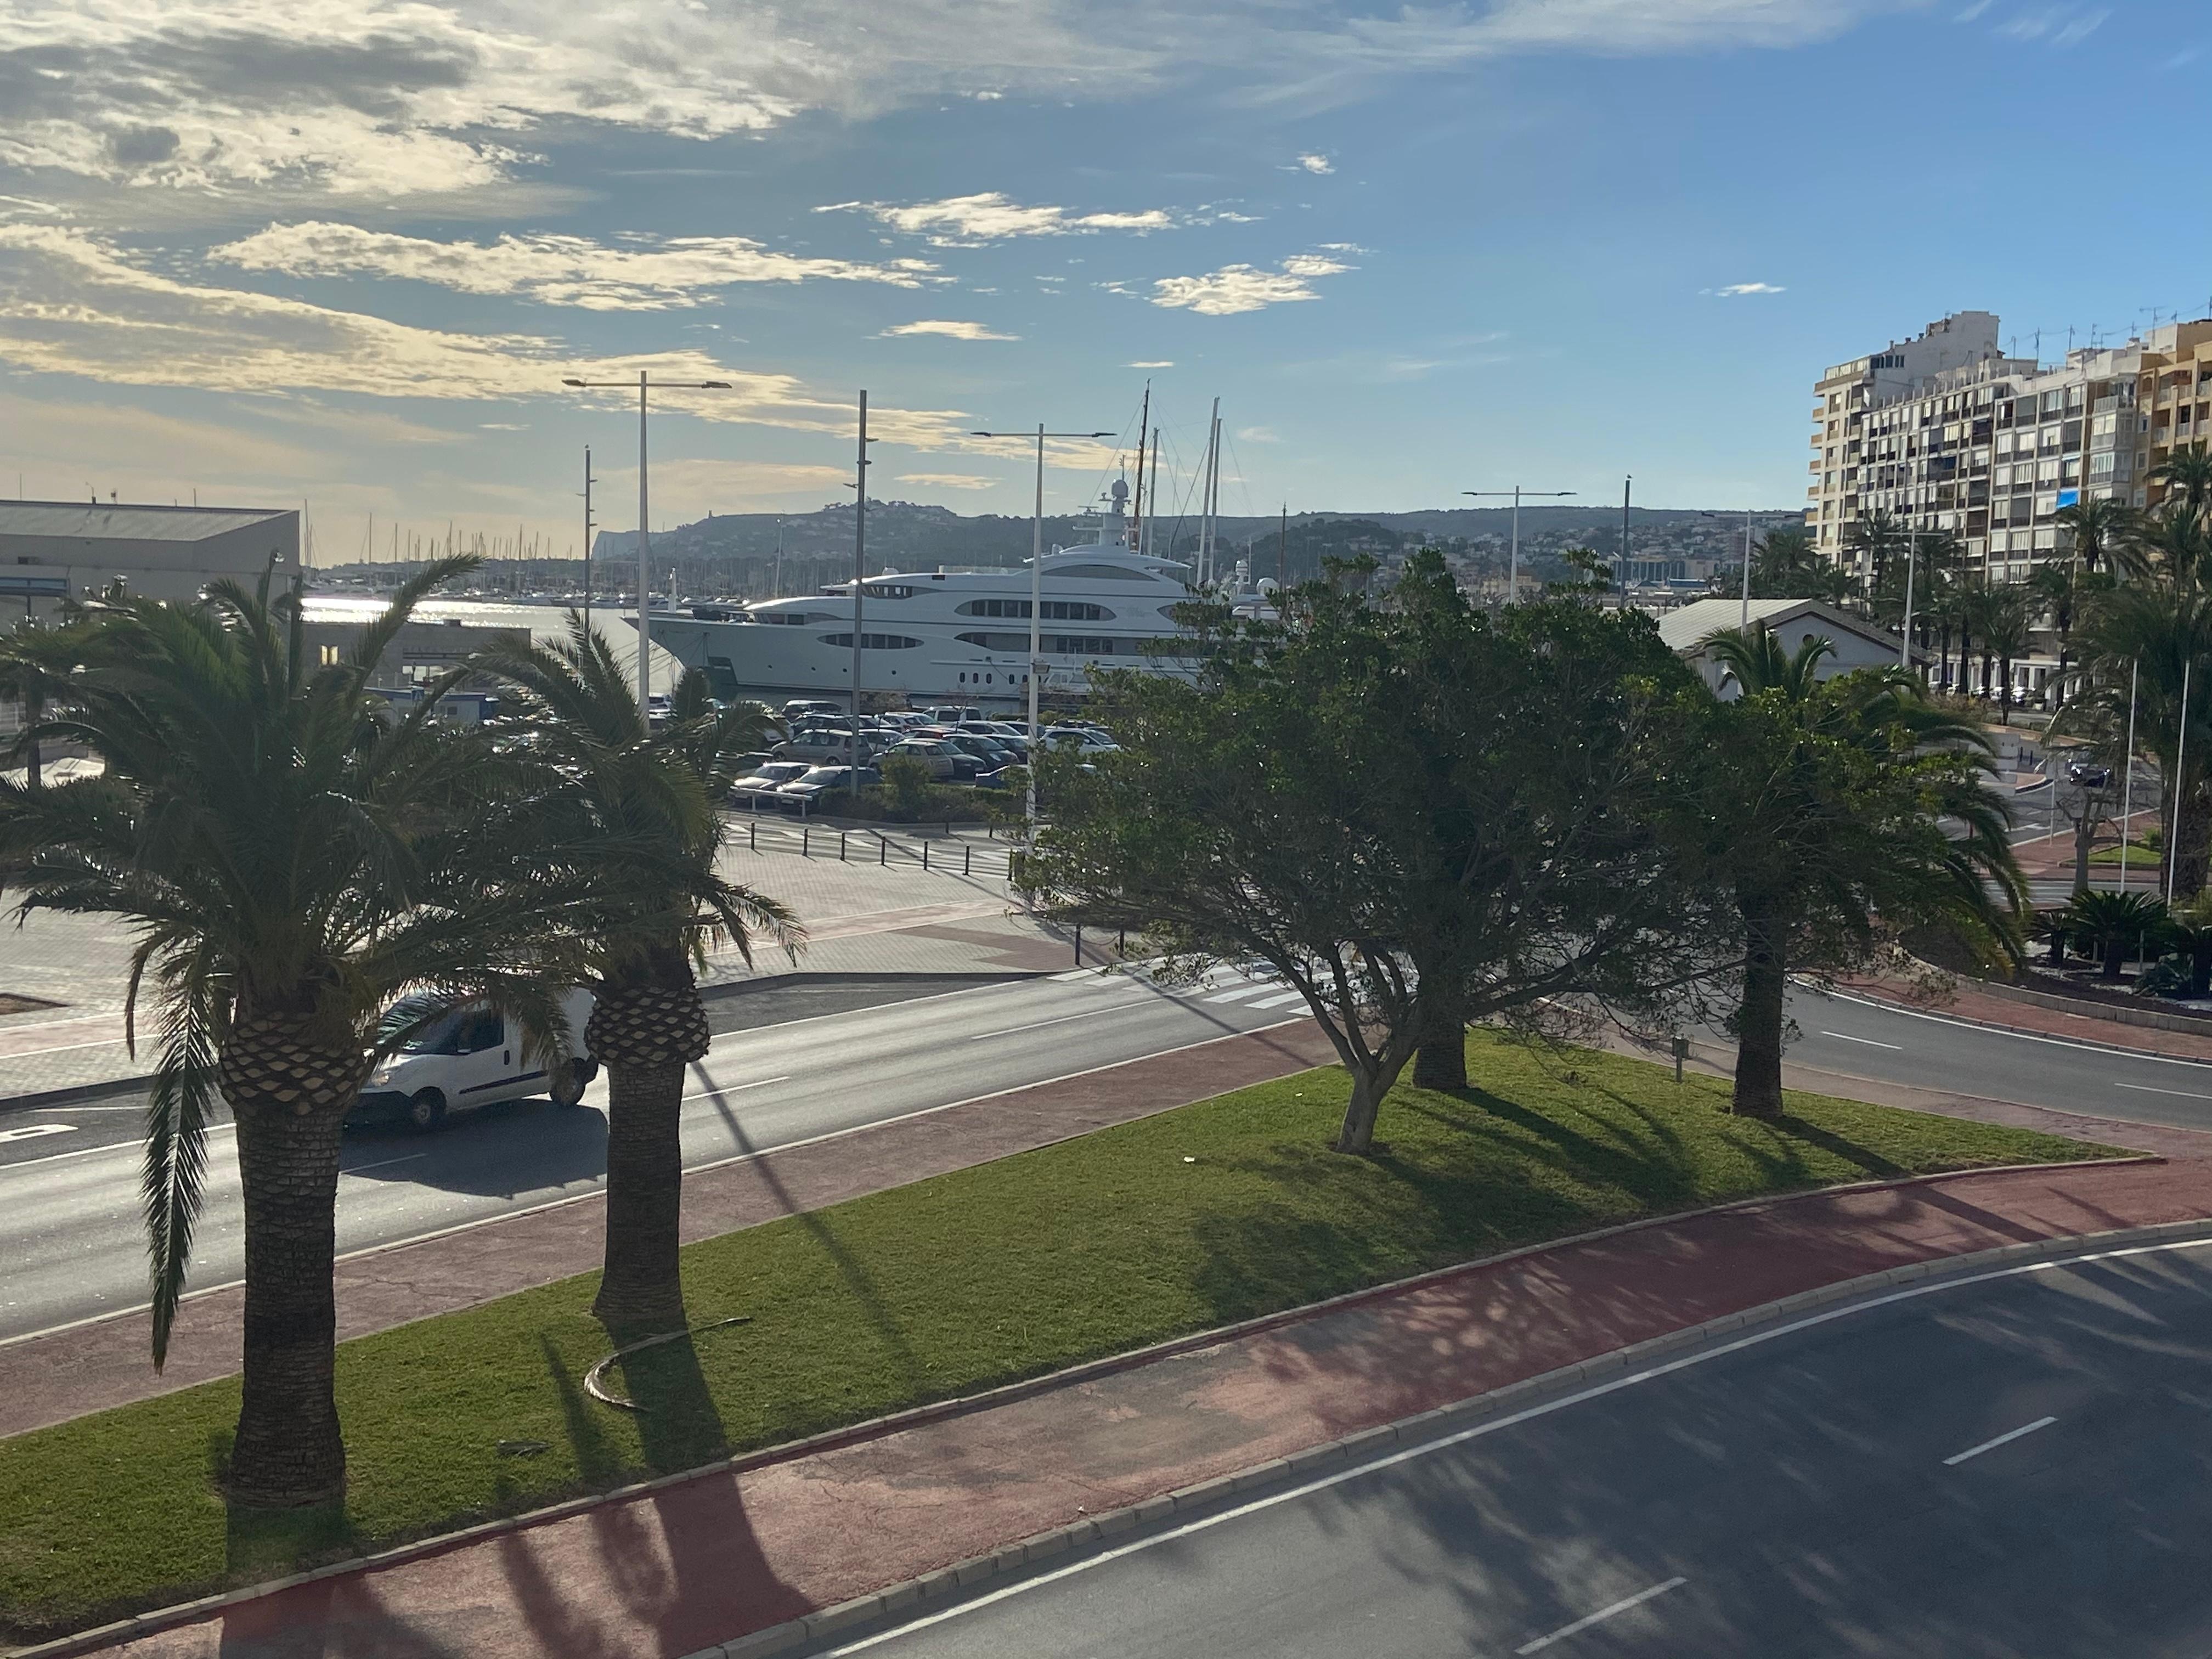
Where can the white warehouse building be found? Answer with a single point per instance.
(53, 550)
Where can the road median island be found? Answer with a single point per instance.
(1221, 1211)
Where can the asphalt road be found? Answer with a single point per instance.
(2015, 1468)
(1863, 1039)
(785, 1065)
(804, 1061)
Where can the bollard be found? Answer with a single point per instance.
(1681, 1051)
(841, 846)
(1079, 944)
(925, 855)
(752, 837)
(883, 850)
(1121, 943)
(967, 858)
(805, 841)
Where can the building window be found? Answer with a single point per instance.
(872, 641)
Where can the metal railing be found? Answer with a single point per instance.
(956, 855)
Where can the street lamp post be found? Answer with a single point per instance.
(1036, 601)
(1513, 558)
(644, 523)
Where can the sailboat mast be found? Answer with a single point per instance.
(1137, 514)
(1209, 499)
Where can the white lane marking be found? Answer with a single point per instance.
(1282, 1001)
(1847, 1038)
(356, 1169)
(1238, 994)
(1076, 974)
(2146, 1088)
(735, 1088)
(30, 1131)
(593, 1190)
(2107, 1049)
(2003, 1439)
(1088, 1013)
(1511, 1419)
(1601, 1615)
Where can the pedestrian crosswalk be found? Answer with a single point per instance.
(1221, 985)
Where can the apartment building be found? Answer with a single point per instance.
(2173, 399)
(1945, 433)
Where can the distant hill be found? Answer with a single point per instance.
(754, 553)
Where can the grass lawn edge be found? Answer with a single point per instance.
(444, 1535)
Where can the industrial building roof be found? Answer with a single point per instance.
(103, 521)
(1690, 627)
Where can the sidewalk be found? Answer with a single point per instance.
(735, 1550)
(860, 917)
(89, 1367)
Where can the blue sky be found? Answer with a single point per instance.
(344, 252)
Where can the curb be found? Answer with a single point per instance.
(1866, 999)
(182, 1613)
(945, 1584)
(715, 991)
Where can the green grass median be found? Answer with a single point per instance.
(1217, 1211)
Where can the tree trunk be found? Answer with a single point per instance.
(1357, 1133)
(2192, 828)
(2085, 832)
(290, 1099)
(2115, 956)
(1759, 1019)
(1441, 1060)
(644, 1036)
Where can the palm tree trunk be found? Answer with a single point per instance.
(1757, 1090)
(289, 1099)
(644, 1036)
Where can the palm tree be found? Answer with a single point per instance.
(291, 857)
(1874, 538)
(2096, 526)
(639, 807)
(1785, 565)
(1828, 801)
(34, 665)
(2007, 619)
(2187, 476)
(2153, 632)
(2116, 922)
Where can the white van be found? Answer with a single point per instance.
(469, 1057)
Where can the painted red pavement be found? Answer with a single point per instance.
(48, 1379)
(731, 1553)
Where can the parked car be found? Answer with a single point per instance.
(1083, 739)
(989, 755)
(826, 745)
(799, 707)
(468, 1057)
(759, 789)
(2088, 775)
(947, 715)
(947, 763)
(805, 794)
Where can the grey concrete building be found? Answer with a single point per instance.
(51, 550)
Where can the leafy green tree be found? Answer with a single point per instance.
(291, 857)
(634, 814)
(1418, 813)
(1826, 802)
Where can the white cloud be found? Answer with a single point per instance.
(562, 270)
(1259, 434)
(1316, 163)
(949, 480)
(1735, 291)
(1155, 363)
(975, 221)
(1235, 288)
(73, 304)
(951, 330)
(375, 99)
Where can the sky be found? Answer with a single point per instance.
(344, 253)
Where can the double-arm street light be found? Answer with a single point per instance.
(644, 556)
(1036, 601)
(1513, 565)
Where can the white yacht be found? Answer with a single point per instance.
(947, 636)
